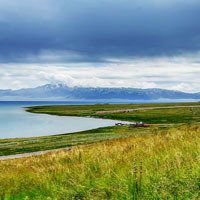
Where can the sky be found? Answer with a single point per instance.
(100, 43)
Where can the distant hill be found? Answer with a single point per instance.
(63, 92)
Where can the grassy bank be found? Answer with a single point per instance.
(162, 165)
(159, 116)
(26, 145)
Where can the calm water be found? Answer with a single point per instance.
(16, 122)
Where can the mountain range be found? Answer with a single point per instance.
(63, 92)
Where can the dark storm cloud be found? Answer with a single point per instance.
(91, 30)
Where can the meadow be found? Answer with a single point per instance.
(158, 162)
(162, 165)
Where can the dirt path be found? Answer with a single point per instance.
(148, 108)
(24, 155)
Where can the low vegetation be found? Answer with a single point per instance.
(159, 116)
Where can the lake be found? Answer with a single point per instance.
(15, 122)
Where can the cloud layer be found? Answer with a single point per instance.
(177, 73)
(121, 43)
(97, 30)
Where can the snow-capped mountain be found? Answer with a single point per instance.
(63, 92)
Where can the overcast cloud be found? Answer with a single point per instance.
(177, 73)
(120, 43)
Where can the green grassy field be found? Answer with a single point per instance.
(158, 162)
(161, 165)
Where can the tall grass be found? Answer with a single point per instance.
(162, 165)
